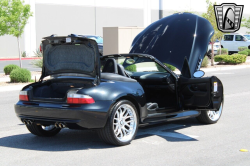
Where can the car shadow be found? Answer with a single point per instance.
(68, 140)
(168, 131)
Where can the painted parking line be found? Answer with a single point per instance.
(223, 73)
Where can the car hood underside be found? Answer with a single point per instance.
(174, 38)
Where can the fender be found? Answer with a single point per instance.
(115, 90)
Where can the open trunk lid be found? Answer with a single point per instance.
(70, 54)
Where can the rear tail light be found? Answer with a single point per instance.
(23, 96)
(41, 50)
(73, 98)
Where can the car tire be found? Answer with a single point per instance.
(210, 117)
(122, 124)
(43, 131)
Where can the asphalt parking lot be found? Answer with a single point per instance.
(183, 142)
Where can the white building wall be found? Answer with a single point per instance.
(98, 14)
(29, 35)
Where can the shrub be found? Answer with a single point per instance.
(24, 54)
(7, 69)
(223, 51)
(131, 68)
(38, 63)
(242, 48)
(168, 65)
(245, 52)
(231, 59)
(220, 58)
(205, 62)
(38, 53)
(236, 59)
(20, 75)
(248, 50)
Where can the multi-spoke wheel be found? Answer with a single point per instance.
(122, 124)
(210, 117)
(41, 130)
(125, 122)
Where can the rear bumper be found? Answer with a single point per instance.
(83, 116)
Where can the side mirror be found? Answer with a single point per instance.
(199, 74)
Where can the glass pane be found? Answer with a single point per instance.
(239, 38)
(228, 38)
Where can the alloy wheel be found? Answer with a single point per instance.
(215, 115)
(124, 123)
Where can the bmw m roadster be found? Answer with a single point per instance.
(78, 89)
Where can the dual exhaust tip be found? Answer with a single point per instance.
(60, 125)
(27, 122)
(57, 124)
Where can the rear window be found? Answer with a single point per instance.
(228, 37)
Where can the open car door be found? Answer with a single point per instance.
(200, 93)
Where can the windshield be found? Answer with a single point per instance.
(140, 64)
(247, 36)
(98, 39)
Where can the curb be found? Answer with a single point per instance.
(15, 59)
(225, 68)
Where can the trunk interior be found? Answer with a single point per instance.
(57, 89)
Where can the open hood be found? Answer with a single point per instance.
(70, 54)
(174, 38)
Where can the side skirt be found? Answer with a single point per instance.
(166, 117)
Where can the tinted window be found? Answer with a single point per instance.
(239, 38)
(228, 37)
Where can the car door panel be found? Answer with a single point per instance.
(217, 94)
(200, 93)
(194, 92)
(228, 42)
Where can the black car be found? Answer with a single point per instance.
(93, 92)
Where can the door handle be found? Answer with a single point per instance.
(215, 93)
(194, 88)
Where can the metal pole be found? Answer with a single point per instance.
(95, 16)
(160, 9)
